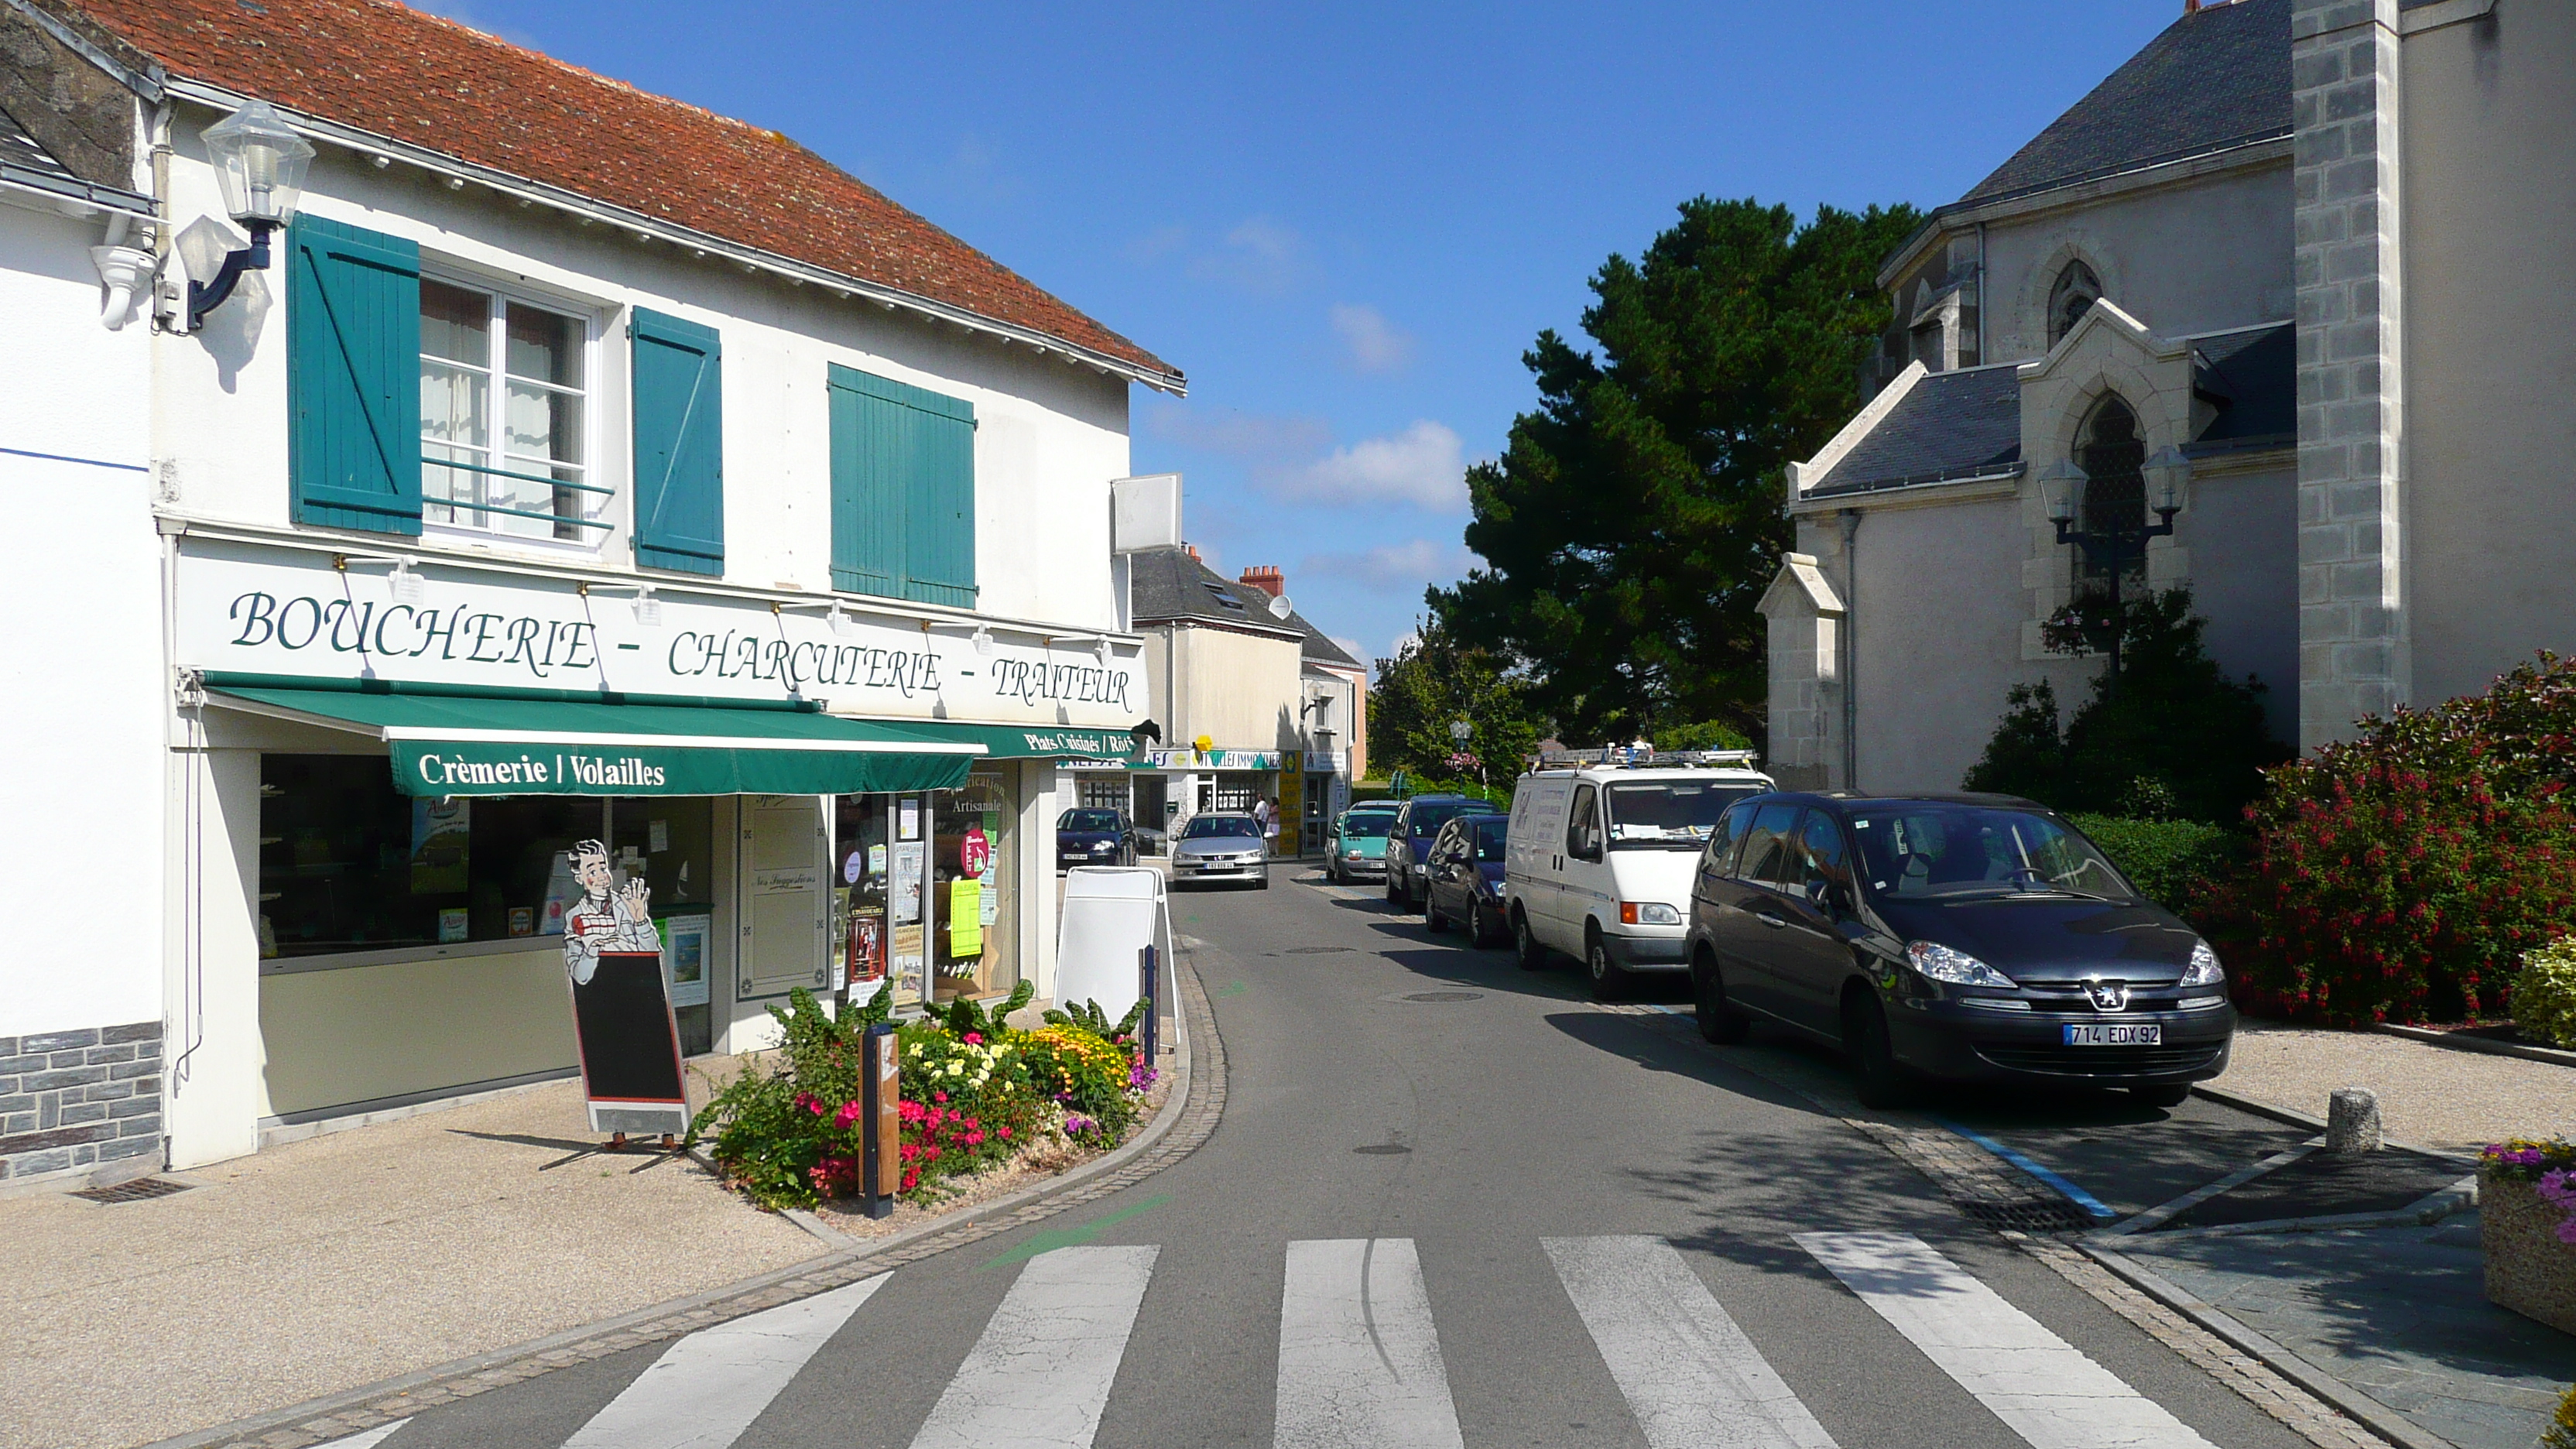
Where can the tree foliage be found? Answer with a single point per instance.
(1634, 519)
(1433, 681)
(2173, 737)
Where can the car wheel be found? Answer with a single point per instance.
(1881, 1082)
(1394, 892)
(1719, 1022)
(1480, 925)
(1262, 884)
(1609, 979)
(2166, 1096)
(1432, 920)
(1533, 956)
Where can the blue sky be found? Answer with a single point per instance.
(1345, 223)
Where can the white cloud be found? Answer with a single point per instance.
(1415, 563)
(1259, 255)
(1425, 465)
(1373, 344)
(1350, 647)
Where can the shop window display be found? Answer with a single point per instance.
(974, 946)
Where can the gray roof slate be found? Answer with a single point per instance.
(2216, 78)
(24, 161)
(2252, 376)
(1959, 424)
(1167, 583)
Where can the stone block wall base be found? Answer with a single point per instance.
(2528, 1269)
(78, 1105)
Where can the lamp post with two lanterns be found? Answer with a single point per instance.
(2111, 549)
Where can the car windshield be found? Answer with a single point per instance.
(1087, 820)
(1669, 814)
(1367, 826)
(1205, 827)
(1430, 815)
(1489, 840)
(1931, 851)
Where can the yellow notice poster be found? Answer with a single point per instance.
(965, 917)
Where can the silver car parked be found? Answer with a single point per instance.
(1221, 845)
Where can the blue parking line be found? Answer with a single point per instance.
(2077, 1195)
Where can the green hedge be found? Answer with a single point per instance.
(2175, 863)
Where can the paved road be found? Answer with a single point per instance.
(1449, 1203)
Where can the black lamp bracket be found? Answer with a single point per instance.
(205, 297)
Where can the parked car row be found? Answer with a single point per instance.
(1949, 937)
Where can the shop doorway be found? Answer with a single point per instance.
(784, 914)
(1154, 806)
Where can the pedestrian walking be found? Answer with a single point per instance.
(1267, 813)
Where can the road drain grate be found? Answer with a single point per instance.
(1383, 1149)
(1446, 996)
(139, 1190)
(2029, 1215)
(1316, 950)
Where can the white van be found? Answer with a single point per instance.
(1601, 853)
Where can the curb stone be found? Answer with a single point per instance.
(1966, 1173)
(1199, 1088)
(2458, 1042)
(2292, 1117)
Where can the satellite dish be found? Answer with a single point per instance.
(1280, 608)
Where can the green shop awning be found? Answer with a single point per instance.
(464, 744)
(1032, 742)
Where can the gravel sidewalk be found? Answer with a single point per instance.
(2429, 1095)
(340, 1260)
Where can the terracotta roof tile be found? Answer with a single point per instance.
(384, 68)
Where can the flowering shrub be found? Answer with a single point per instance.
(970, 1099)
(2549, 1166)
(2544, 993)
(2404, 872)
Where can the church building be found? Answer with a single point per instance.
(2297, 278)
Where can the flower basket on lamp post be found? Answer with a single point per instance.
(2527, 1226)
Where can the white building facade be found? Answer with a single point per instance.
(725, 514)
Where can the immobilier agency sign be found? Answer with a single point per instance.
(248, 610)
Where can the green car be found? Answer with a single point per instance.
(1356, 848)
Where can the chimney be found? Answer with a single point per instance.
(1265, 577)
(1192, 550)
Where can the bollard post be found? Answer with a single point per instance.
(880, 1090)
(2352, 1120)
(1148, 1035)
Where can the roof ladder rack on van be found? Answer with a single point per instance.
(1629, 757)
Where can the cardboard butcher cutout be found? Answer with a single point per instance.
(630, 1041)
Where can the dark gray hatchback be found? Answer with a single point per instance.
(1957, 937)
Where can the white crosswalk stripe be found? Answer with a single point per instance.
(366, 1440)
(1689, 1374)
(707, 1388)
(1359, 1360)
(2037, 1383)
(1040, 1375)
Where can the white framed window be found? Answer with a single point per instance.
(505, 417)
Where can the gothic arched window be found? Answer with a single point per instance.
(2075, 291)
(2113, 458)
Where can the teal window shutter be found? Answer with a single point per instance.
(353, 377)
(903, 490)
(870, 445)
(679, 444)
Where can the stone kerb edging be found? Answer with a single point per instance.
(2461, 1042)
(1198, 1089)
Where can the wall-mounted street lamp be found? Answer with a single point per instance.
(2111, 549)
(260, 161)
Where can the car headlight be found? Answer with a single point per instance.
(1956, 967)
(1648, 913)
(2204, 969)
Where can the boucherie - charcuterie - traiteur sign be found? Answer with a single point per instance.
(245, 609)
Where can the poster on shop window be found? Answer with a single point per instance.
(622, 1019)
